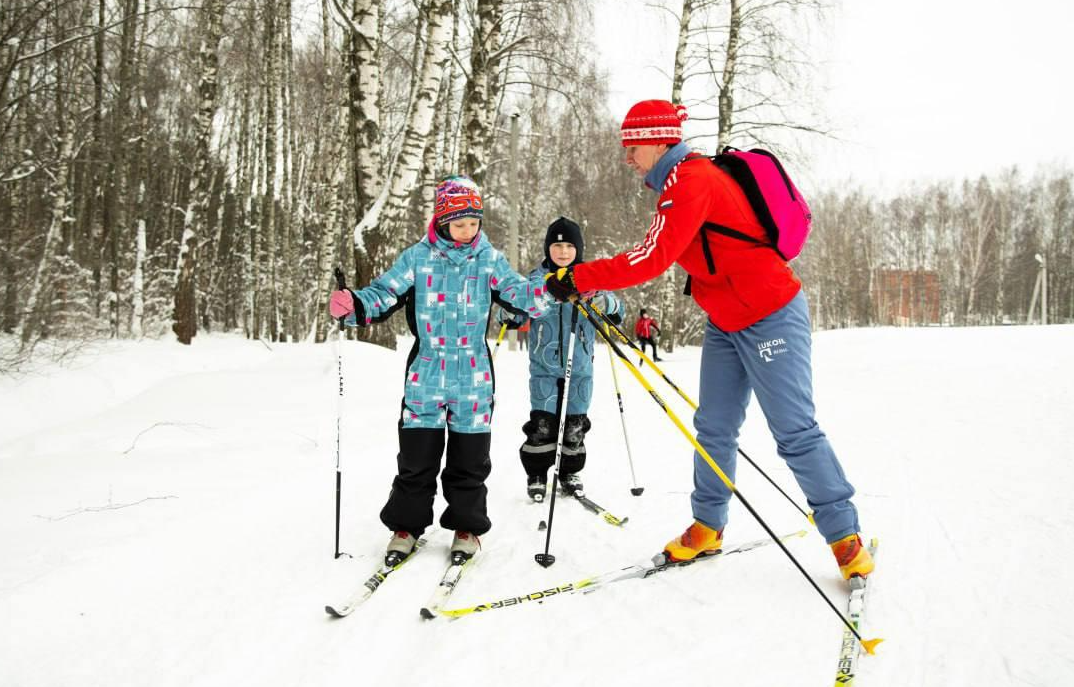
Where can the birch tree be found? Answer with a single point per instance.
(64, 145)
(185, 324)
(478, 108)
(363, 113)
(746, 50)
(670, 297)
(419, 123)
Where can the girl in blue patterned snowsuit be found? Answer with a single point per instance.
(563, 246)
(447, 283)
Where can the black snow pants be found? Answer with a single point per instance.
(410, 504)
(538, 452)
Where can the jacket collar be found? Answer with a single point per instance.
(457, 253)
(659, 173)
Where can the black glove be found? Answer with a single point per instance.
(561, 284)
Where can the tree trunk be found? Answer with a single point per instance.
(185, 323)
(291, 256)
(115, 187)
(60, 201)
(669, 291)
(730, 68)
(419, 123)
(477, 102)
(268, 196)
(65, 146)
(678, 76)
(363, 81)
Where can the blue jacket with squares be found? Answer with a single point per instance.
(548, 342)
(448, 289)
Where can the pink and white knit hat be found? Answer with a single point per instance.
(457, 197)
(652, 122)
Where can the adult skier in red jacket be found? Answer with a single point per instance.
(757, 338)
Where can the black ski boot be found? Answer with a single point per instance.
(536, 486)
(571, 484)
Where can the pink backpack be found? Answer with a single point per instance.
(779, 207)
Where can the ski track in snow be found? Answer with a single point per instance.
(167, 513)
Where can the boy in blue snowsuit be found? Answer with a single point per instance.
(447, 282)
(548, 340)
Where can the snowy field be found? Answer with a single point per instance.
(166, 519)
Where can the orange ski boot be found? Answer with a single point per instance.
(696, 540)
(854, 559)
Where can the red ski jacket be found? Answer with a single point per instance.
(748, 281)
(644, 327)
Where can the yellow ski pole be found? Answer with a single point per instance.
(623, 337)
(499, 339)
(868, 644)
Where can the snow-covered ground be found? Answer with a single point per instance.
(166, 518)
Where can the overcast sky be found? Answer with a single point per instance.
(916, 89)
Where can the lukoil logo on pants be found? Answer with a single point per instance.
(767, 349)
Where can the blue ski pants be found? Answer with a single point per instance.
(771, 358)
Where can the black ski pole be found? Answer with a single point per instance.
(546, 559)
(341, 282)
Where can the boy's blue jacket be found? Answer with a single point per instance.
(448, 290)
(548, 342)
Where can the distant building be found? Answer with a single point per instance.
(906, 297)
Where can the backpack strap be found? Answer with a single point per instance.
(739, 171)
(727, 231)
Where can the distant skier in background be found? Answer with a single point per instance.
(563, 246)
(447, 282)
(643, 331)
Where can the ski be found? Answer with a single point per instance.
(392, 562)
(589, 505)
(590, 584)
(851, 648)
(455, 570)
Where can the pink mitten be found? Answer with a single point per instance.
(588, 295)
(341, 304)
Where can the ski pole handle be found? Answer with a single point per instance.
(499, 339)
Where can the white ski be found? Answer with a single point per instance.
(851, 647)
(392, 562)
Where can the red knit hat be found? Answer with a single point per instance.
(652, 122)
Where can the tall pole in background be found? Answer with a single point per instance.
(516, 209)
(1042, 282)
(1044, 289)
